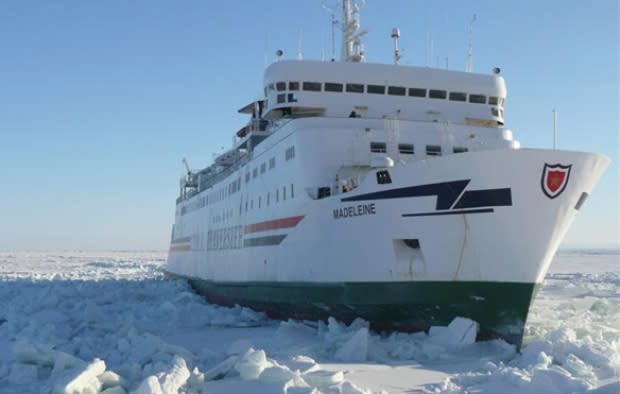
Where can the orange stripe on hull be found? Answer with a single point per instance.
(273, 224)
(181, 248)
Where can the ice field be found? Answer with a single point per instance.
(86, 322)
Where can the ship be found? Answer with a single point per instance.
(387, 192)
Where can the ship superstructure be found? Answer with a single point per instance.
(392, 193)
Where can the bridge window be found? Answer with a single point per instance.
(376, 89)
(416, 92)
(493, 100)
(459, 149)
(292, 98)
(406, 149)
(312, 86)
(255, 172)
(458, 96)
(355, 88)
(383, 177)
(272, 163)
(433, 150)
(281, 86)
(378, 147)
(293, 86)
(263, 168)
(437, 94)
(397, 90)
(323, 192)
(281, 98)
(333, 87)
(477, 98)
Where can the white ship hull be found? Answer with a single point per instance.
(480, 229)
(391, 193)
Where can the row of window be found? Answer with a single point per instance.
(286, 192)
(221, 217)
(249, 203)
(408, 149)
(222, 192)
(378, 89)
(235, 186)
(289, 154)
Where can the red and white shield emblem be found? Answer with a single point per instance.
(554, 179)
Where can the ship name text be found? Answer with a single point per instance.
(355, 210)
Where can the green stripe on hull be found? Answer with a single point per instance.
(499, 307)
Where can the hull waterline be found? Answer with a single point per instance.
(500, 308)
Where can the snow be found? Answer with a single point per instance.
(108, 322)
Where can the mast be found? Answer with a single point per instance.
(470, 57)
(352, 47)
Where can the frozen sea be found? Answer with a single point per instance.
(87, 322)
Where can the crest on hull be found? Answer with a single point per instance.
(554, 179)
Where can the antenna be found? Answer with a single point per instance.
(432, 52)
(189, 172)
(555, 128)
(300, 55)
(334, 23)
(426, 43)
(352, 47)
(279, 54)
(395, 37)
(265, 64)
(470, 57)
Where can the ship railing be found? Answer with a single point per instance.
(260, 124)
(211, 180)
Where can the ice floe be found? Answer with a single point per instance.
(78, 322)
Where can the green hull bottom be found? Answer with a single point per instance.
(500, 308)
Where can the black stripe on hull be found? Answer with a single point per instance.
(446, 192)
(485, 198)
(500, 308)
(443, 213)
(181, 240)
(268, 240)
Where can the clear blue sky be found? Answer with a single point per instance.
(100, 100)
